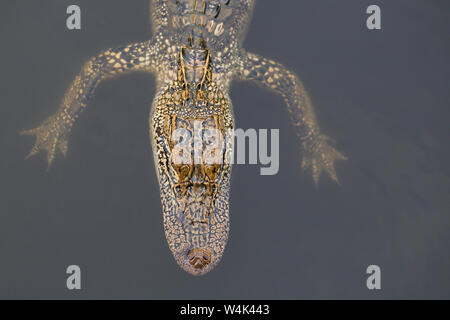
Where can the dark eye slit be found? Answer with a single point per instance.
(219, 7)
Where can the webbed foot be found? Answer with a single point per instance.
(322, 157)
(49, 137)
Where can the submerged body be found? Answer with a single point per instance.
(195, 53)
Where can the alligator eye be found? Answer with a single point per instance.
(205, 258)
(219, 7)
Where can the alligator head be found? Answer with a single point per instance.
(192, 126)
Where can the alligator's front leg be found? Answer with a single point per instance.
(317, 153)
(53, 132)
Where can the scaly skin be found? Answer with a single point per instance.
(195, 53)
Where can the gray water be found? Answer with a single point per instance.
(382, 95)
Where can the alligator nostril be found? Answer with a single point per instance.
(199, 258)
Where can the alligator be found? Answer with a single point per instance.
(195, 53)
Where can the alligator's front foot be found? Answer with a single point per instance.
(49, 136)
(322, 157)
